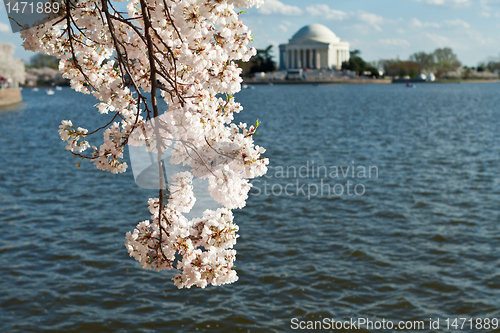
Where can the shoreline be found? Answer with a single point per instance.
(334, 81)
(9, 96)
(358, 81)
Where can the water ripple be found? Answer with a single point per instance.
(422, 241)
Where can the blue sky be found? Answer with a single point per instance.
(380, 29)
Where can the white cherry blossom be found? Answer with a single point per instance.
(184, 52)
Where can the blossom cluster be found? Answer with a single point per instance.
(204, 243)
(186, 50)
(71, 135)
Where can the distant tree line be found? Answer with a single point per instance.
(41, 60)
(439, 62)
(490, 65)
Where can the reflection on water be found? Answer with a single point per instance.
(421, 242)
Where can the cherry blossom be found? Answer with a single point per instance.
(184, 52)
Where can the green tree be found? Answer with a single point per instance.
(358, 65)
(40, 60)
(400, 68)
(492, 64)
(425, 61)
(413, 73)
(390, 67)
(263, 61)
(494, 67)
(446, 60)
(439, 62)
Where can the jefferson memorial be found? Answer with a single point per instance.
(313, 46)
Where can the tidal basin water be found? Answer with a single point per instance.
(422, 241)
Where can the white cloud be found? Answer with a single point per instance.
(484, 5)
(4, 28)
(274, 43)
(356, 43)
(443, 41)
(487, 10)
(370, 19)
(395, 42)
(476, 36)
(277, 7)
(457, 24)
(400, 31)
(366, 22)
(449, 3)
(415, 23)
(282, 27)
(326, 12)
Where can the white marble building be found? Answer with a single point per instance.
(313, 46)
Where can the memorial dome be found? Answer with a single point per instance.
(315, 33)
